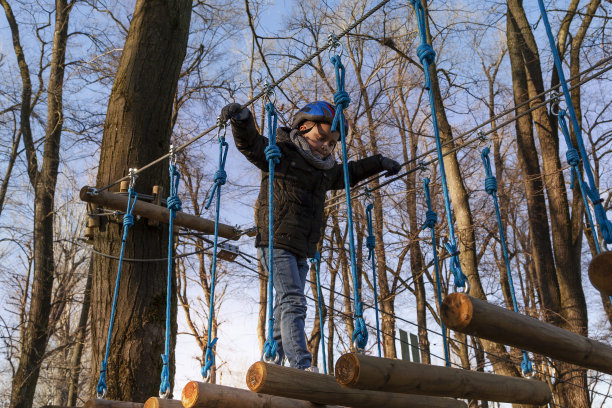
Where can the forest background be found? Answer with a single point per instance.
(232, 49)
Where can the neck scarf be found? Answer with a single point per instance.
(304, 149)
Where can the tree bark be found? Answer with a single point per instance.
(137, 130)
(36, 332)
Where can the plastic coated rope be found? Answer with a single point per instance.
(605, 225)
(427, 56)
(273, 156)
(342, 100)
(128, 221)
(371, 244)
(491, 189)
(317, 263)
(431, 219)
(174, 204)
(220, 180)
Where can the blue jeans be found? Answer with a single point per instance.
(289, 305)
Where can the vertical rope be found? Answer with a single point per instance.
(273, 156)
(174, 204)
(431, 219)
(591, 190)
(317, 263)
(491, 189)
(342, 100)
(220, 180)
(427, 56)
(128, 221)
(371, 244)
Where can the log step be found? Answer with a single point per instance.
(600, 273)
(102, 403)
(323, 389)
(475, 317)
(382, 374)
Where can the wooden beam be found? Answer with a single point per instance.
(156, 402)
(478, 318)
(600, 273)
(101, 403)
(204, 395)
(383, 374)
(323, 389)
(159, 213)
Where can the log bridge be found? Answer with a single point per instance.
(475, 317)
(600, 273)
(118, 202)
(398, 376)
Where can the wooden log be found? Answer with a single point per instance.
(477, 318)
(323, 389)
(204, 395)
(151, 211)
(600, 273)
(383, 374)
(156, 402)
(102, 403)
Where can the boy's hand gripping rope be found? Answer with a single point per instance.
(371, 244)
(128, 221)
(174, 204)
(273, 156)
(427, 56)
(591, 190)
(431, 219)
(342, 100)
(491, 189)
(317, 263)
(220, 180)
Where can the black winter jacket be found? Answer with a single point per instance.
(299, 189)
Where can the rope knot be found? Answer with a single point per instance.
(209, 358)
(426, 53)
(128, 220)
(342, 100)
(526, 366)
(270, 350)
(220, 177)
(164, 386)
(174, 203)
(360, 334)
(273, 153)
(371, 242)
(572, 156)
(431, 219)
(101, 387)
(491, 185)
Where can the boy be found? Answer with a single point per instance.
(305, 173)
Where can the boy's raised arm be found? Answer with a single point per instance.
(248, 141)
(362, 169)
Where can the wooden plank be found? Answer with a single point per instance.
(323, 389)
(400, 376)
(102, 403)
(204, 395)
(477, 318)
(156, 212)
(600, 273)
(414, 346)
(404, 345)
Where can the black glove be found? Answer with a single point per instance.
(390, 165)
(234, 111)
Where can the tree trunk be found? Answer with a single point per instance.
(137, 131)
(36, 332)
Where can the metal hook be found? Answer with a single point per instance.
(133, 176)
(269, 93)
(463, 289)
(555, 101)
(356, 347)
(369, 197)
(172, 155)
(333, 43)
(221, 126)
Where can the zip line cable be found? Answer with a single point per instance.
(263, 93)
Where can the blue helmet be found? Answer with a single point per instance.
(318, 111)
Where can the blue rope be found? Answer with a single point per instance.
(128, 221)
(431, 219)
(342, 100)
(220, 180)
(491, 189)
(317, 263)
(371, 244)
(573, 159)
(273, 156)
(591, 190)
(427, 55)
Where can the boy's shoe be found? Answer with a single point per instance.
(312, 369)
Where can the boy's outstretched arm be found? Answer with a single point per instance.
(362, 169)
(248, 141)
